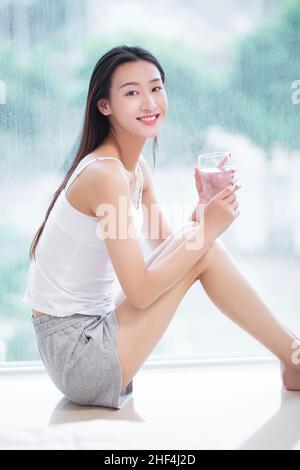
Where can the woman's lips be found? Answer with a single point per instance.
(150, 123)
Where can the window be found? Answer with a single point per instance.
(232, 79)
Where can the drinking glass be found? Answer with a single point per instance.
(216, 170)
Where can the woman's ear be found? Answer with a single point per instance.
(104, 107)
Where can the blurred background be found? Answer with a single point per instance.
(233, 84)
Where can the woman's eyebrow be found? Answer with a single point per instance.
(136, 83)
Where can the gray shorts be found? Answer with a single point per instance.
(79, 353)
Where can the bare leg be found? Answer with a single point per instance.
(234, 296)
(140, 330)
(154, 256)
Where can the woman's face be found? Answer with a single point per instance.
(129, 102)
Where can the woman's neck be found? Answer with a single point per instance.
(125, 147)
(110, 151)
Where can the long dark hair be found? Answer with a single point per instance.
(96, 125)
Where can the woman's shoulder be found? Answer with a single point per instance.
(90, 177)
(146, 171)
(101, 164)
(111, 162)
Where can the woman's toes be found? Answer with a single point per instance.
(290, 378)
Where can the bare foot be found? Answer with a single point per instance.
(290, 377)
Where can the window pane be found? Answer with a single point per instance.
(233, 84)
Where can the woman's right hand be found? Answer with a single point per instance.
(221, 211)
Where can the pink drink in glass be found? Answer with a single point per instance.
(215, 180)
(216, 172)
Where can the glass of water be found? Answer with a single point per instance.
(217, 172)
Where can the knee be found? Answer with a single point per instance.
(217, 246)
(213, 253)
(215, 250)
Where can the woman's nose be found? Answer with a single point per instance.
(148, 101)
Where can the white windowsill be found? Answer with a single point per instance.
(165, 363)
(194, 403)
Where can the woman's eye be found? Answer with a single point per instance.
(133, 91)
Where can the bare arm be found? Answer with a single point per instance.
(140, 284)
(155, 227)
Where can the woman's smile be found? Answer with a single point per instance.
(149, 121)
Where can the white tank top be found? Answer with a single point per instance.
(73, 272)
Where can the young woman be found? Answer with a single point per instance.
(92, 344)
